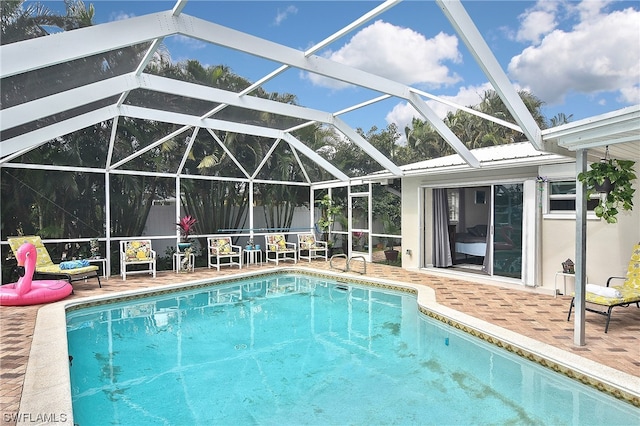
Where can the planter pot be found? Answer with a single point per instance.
(183, 246)
(606, 186)
(391, 255)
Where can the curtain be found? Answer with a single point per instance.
(441, 246)
(488, 259)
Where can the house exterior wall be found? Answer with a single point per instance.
(608, 245)
(412, 223)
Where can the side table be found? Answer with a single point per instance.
(564, 276)
(253, 256)
(103, 262)
(177, 261)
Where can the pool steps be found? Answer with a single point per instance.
(347, 267)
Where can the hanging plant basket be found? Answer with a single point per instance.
(605, 188)
(613, 179)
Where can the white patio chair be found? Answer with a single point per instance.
(277, 248)
(221, 248)
(137, 252)
(315, 249)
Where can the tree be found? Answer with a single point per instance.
(474, 131)
(24, 23)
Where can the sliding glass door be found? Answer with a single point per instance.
(484, 229)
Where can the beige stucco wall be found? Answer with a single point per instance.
(608, 245)
(412, 226)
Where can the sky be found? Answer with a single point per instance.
(581, 58)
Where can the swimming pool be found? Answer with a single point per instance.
(299, 349)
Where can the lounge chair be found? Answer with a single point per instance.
(279, 249)
(137, 252)
(221, 248)
(315, 249)
(46, 268)
(618, 295)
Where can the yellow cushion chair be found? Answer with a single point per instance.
(45, 266)
(137, 252)
(221, 248)
(279, 249)
(307, 243)
(618, 295)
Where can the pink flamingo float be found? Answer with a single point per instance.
(28, 291)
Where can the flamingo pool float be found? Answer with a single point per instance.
(28, 291)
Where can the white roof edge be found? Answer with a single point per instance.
(596, 120)
(498, 155)
(521, 154)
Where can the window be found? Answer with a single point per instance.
(453, 198)
(562, 197)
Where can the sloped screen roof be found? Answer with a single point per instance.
(107, 74)
(75, 79)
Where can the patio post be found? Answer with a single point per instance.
(581, 250)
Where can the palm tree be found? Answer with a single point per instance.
(560, 119)
(23, 23)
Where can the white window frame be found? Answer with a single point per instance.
(561, 214)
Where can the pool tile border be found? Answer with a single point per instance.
(524, 353)
(427, 305)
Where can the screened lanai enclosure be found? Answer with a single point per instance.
(109, 133)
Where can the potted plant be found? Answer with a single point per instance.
(94, 247)
(390, 228)
(328, 212)
(358, 244)
(186, 226)
(613, 180)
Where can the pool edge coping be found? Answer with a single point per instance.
(47, 390)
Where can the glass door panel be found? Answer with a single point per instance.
(360, 217)
(507, 230)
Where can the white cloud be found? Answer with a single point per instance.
(284, 14)
(600, 53)
(120, 16)
(630, 95)
(535, 25)
(591, 9)
(399, 53)
(189, 42)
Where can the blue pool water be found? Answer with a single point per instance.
(293, 349)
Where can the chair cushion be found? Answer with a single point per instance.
(224, 246)
(307, 241)
(629, 295)
(55, 269)
(221, 247)
(137, 251)
(633, 271)
(276, 242)
(42, 255)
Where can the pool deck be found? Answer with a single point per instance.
(521, 310)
